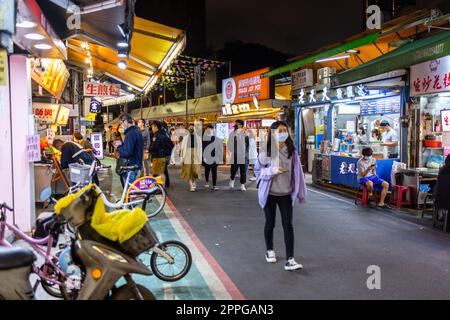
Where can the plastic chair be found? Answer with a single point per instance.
(365, 195)
(398, 196)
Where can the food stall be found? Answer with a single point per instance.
(347, 145)
(430, 130)
(48, 118)
(348, 115)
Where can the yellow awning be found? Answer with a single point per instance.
(153, 48)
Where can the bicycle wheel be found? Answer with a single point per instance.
(181, 265)
(52, 289)
(153, 204)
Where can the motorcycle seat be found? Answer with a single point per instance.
(11, 258)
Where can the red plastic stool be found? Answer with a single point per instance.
(365, 196)
(398, 195)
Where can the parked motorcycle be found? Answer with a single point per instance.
(101, 267)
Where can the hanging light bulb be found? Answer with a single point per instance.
(122, 64)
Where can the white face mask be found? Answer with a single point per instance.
(282, 137)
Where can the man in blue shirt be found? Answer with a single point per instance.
(132, 148)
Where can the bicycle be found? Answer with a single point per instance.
(143, 191)
(50, 274)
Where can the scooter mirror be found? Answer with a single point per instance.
(46, 194)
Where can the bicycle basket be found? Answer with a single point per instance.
(81, 208)
(142, 241)
(79, 173)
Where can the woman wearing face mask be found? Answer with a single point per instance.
(280, 183)
(191, 155)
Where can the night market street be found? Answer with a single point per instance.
(335, 240)
(224, 159)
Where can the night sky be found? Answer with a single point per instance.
(290, 26)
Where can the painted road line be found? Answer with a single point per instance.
(221, 284)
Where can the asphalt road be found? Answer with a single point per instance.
(335, 241)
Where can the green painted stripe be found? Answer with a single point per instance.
(371, 38)
(416, 52)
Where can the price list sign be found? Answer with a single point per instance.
(380, 106)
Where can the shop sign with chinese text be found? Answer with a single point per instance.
(97, 145)
(51, 74)
(302, 78)
(430, 77)
(92, 89)
(63, 116)
(46, 112)
(244, 87)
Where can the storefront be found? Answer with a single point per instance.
(337, 123)
(430, 132)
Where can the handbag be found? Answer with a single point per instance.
(121, 162)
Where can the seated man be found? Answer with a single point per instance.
(367, 176)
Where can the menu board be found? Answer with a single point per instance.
(380, 106)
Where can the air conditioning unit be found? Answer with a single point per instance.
(324, 75)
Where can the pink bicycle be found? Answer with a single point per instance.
(53, 280)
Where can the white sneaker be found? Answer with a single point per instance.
(270, 256)
(243, 188)
(207, 185)
(253, 179)
(192, 189)
(292, 265)
(216, 188)
(231, 184)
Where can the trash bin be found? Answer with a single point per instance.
(42, 179)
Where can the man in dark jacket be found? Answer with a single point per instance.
(132, 147)
(72, 152)
(238, 146)
(157, 149)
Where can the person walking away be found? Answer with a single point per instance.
(281, 183)
(146, 136)
(367, 176)
(168, 147)
(252, 152)
(157, 149)
(390, 139)
(238, 147)
(132, 148)
(191, 155)
(176, 149)
(209, 157)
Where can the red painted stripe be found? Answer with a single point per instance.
(232, 289)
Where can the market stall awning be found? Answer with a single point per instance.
(416, 52)
(153, 48)
(371, 38)
(362, 47)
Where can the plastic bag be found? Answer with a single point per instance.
(396, 167)
(119, 225)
